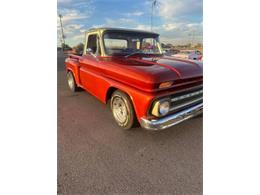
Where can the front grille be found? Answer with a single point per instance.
(185, 99)
(179, 101)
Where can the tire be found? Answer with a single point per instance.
(122, 110)
(71, 82)
(199, 116)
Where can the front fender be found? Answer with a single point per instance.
(141, 100)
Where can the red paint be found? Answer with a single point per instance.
(138, 77)
(183, 60)
(169, 67)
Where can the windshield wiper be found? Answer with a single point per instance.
(131, 54)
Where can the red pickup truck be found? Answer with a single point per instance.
(127, 69)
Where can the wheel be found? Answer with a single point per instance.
(71, 82)
(122, 110)
(199, 116)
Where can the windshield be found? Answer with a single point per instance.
(125, 43)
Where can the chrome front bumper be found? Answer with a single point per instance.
(169, 121)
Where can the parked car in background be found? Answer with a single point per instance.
(128, 70)
(170, 52)
(189, 54)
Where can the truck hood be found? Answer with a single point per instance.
(148, 72)
(183, 68)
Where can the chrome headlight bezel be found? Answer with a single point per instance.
(161, 107)
(164, 108)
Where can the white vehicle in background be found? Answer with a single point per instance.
(189, 54)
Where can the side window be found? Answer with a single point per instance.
(92, 43)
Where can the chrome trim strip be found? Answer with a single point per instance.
(186, 104)
(187, 89)
(186, 96)
(169, 121)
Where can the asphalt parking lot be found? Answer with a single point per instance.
(96, 157)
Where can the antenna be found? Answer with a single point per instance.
(154, 3)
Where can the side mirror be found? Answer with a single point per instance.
(89, 50)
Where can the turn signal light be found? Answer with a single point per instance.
(165, 84)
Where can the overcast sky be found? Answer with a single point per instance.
(178, 21)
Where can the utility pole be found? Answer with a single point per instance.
(153, 5)
(62, 32)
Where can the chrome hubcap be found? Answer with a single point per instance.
(119, 110)
(70, 81)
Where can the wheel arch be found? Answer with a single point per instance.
(74, 73)
(109, 93)
(140, 100)
(70, 70)
(112, 89)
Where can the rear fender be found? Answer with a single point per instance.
(72, 64)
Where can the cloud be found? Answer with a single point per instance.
(74, 26)
(136, 13)
(76, 10)
(181, 32)
(74, 39)
(177, 21)
(98, 25)
(117, 23)
(72, 29)
(122, 22)
(181, 20)
(76, 3)
(170, 26)
(79, 37)
(176, 9)
(147, 27)
(143, 27)
(72, 14)
(64, 1)
(172, 32)
(82, 30)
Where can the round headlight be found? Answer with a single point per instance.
(164, 107)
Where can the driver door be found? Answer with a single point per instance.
(90, 64)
